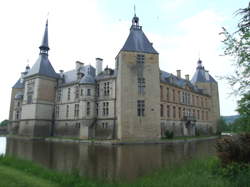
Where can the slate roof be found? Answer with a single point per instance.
(137, 41)
(88, 78)
(43, 67)
(201, 75)
(179, 82)
(18, 84)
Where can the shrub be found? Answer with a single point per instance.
(169, 134)
(234, 149)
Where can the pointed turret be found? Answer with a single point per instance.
(44, 48)
(43, 65)
(201, 75)
(137, 40)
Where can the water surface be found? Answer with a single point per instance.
(124, 162)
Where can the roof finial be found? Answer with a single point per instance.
(135, 20)
(134, 10)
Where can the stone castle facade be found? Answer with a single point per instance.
(135, 100)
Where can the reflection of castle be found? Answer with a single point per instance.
(112, 162)
(134, 100)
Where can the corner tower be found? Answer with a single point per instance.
(202, 79)
(39, 95)
(138, 87)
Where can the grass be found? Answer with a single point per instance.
(195, 173)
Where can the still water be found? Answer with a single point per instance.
(125, 162)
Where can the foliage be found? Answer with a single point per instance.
(169, 134)
(234, 149)
(222, 126)
(237, 45)
(4, 123)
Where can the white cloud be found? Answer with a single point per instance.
(197, 36)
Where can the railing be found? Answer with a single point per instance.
(189, 118)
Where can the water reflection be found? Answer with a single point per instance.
(111, 162)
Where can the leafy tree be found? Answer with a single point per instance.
(4, 123)
(237, 45)
(222, 125)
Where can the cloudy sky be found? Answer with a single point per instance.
(181, 30)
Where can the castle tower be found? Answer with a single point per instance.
(39, 95)
(138, 87)
(202, 79)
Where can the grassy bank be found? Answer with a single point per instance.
(196, 173)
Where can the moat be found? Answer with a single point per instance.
(125, 162)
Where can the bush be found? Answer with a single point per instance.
(234, 149)
(169, 134)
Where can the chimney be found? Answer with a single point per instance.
(61, 73)
(178, 73)
(187, 77)
(79, 65)
(98, 65)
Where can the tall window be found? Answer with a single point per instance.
(68, 93)
(30, 92)
(162, 110)
(106, 89)
(179, 96)
(183, 112)
(97, 109)
(57, 111)
(67, 111)
(173, 95)
(81, 92)
(197, 100)
(193, 113)
(174, 112)
(59, 94)
(168, 111)
(105, 108)
(202, 104)
(193, 100)
(97, 90)
(17, 115)
(140, 59)
(198, 114)
(141, 85)
(76, 112)
(206, 115)
(167, 94)
(179, 111)
(140, 107)
(88, 92)
(88, 109)
(76, 92)
(202, 115)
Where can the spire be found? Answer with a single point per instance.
(44, 48)
(199, 63)
(137, 40)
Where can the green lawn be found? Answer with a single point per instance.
(196, 173)
(10, 177)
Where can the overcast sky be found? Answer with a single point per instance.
(181, 31)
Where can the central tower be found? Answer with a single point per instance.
(138, 87)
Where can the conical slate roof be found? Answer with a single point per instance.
(137, 40)
(201, 75)
(43, 66)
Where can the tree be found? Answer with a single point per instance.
(4, 123)
(237, 45)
